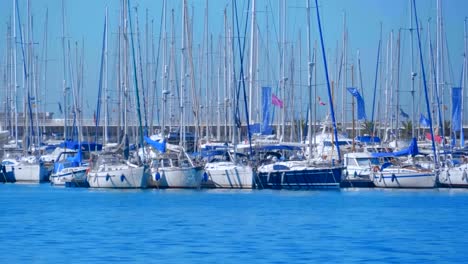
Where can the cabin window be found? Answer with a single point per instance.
(155, 164)
(166, 163)
(185, 164)
(351, 162)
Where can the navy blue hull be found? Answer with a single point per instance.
(6, 176)
(325, 178)
(357, 184)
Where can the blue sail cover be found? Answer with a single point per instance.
(368, 139)
(266, 100)
(255, 128)
(412, 150)
(160, 146)
(456, 108)
(361, 108)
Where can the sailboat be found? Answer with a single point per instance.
(455, 172)
(68, 167)
(23, 165)
(114, 169)
(171, 166)
(396, 175)
(284, 165)
(226, 168)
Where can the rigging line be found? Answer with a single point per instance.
(98, 107)
(274, 27)
(330, 99)
(425, 86)
(262, 40)
(436, 88)
(135, 77)
(157, 62)
(450, 67)
(241, 54)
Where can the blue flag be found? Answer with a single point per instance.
(361, 108)
(456, 108)
(403, 114)
(423, 121)
(266, 100)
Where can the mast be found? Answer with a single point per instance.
(164, 72)
(283, 73)
(218, 92)
(64, 83)
(106, 96)
(413, 73)
(15, 77)
(330, 101)
(125, 70)
(352, 112)
(252, 61)
(360, 81)
(226, 77)
(465, 71)
(140, 70)
(439, 59)
(182, 77)
(397, 115)
(345, 75)
(135, 79)
(45, 61)
(425, 87)
(309, 83)
(204, 48)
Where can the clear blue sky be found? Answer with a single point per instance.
(84, 20)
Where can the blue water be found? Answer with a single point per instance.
(44, 224)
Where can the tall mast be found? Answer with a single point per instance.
(438, 65)
(226, 77)
(182, 76)
(14, 71)
(283, 73)
(413, 73)
(345, 75)
(252, 61)
(125, 69)
(64, 83)
(164, 71)
(45, 61)
(106, 106)
(137, 95)
(309, 83)
(465, 71)
(397, 115)
(330, 100)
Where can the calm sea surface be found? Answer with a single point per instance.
(44, 224)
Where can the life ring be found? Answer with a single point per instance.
(376, 168)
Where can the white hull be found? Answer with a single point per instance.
(28, 172)
(228, 175)
(118, 177)
(176, 178)
(68, 175)
(455, 176)
(395, 178)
